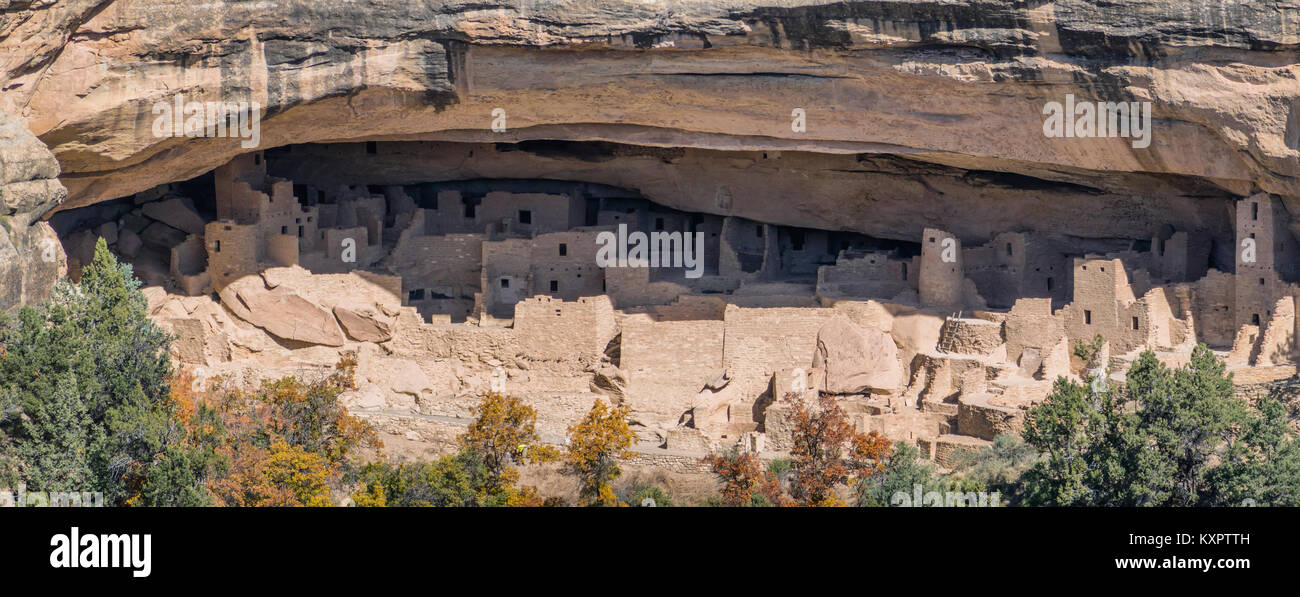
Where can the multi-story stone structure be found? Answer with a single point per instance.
(935, 341)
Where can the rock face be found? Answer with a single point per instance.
(935, 106)
(31, 256)
(857, 360)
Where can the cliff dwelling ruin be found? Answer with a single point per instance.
(448, 281)
(881, 214)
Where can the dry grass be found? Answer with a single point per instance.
(686, 489)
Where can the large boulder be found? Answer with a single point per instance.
(610, 381)
(177, 212)
(282, 312)
(161, 236)
(857, 360)
(365, 324)
(129, 243)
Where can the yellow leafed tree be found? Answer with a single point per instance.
(595, 445)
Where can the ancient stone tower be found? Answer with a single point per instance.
(1265, 257)
(941, 269)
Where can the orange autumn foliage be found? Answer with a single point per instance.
(503, 434)
(285, 443)
(744, 478)
(285, 475)
(740, 475)
(828, 451)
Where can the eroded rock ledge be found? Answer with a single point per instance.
(31, 255)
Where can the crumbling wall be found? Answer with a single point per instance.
(232, 251)
(631, 287)
(1047, 271)
(1213, 306)
(682, 308)
(189, 266)
(507, 275)
(1277, 345)
(943, 377)
(668, 362)
(743, 250)
(761, 341)
(1032, 331)
(447, 265)
(970, 336)
(998, 268)
(803, 251)
(874, 274)
(1182, 257)
(554, 330)
(282, 250)
(1159, 320)
(977, 416)
(248, 170)
(544, 212)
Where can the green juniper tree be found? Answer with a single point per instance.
(1261, 466)
(904, 470)
(447, 482)
(84, 386)
(1167, 438)
(55, 453)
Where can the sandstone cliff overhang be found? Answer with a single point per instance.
(946, 84)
